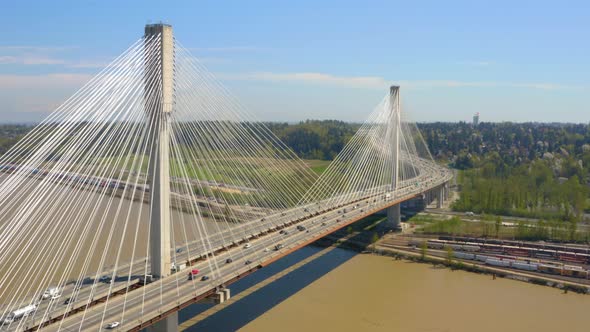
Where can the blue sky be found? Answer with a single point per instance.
(293, 60)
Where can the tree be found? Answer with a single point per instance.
(572, 227)
(497, 225)
(374, 238)
(423, 250)
(349, 230)
(449, 251)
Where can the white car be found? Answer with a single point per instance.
(266, 250)
(248, 245)
(113, 325)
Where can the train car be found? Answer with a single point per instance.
(435, 245)
(516, 251)
(544, 254)
(521, 265)
(498, 262)
(572, 257)
(464, 255)
(574, 271)
(481, 258)
(550, 269)
(492, 248)
(454, 246)
(470, 247)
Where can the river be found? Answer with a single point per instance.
(374, 293)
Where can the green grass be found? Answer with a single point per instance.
(318, 166)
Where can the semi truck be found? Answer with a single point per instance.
(19, 313)
(177, 267)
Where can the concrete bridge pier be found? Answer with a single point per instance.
(393, 217)
(440, 197)
(427, 198)
(168, 324)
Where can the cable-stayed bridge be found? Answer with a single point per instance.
(151, 188)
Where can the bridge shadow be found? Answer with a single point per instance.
(252, 306)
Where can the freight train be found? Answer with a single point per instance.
(570, 254)
(503, 256)
(536, 245)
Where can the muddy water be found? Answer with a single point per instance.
(373, 293)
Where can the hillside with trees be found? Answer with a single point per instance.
(527, 169)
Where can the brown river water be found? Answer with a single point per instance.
(375, 293)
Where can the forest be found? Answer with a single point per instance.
(521, 169)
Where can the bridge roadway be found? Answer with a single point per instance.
(166, 296)
(152, 302)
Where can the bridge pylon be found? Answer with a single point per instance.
(159, 61)
(159, 103)
(393, 212)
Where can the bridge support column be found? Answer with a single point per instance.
(159, 66)
(394, 217)
(168, 324)
(393, 212)
(440, 197)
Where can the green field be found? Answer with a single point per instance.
(318, 166)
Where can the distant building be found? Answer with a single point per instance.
(476, 119)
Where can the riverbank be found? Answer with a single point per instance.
(455, 264)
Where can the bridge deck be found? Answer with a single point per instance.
(155, 301)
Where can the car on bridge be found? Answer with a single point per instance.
(192, 274)
(106, 279)
(51, 293)
(112, 325)
(69, 300)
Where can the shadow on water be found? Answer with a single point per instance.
(249, 308)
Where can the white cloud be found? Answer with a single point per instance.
(30, 60)
(43, 55)
(318, 78)
(49, 81)
(88, 64)
(375, 82)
